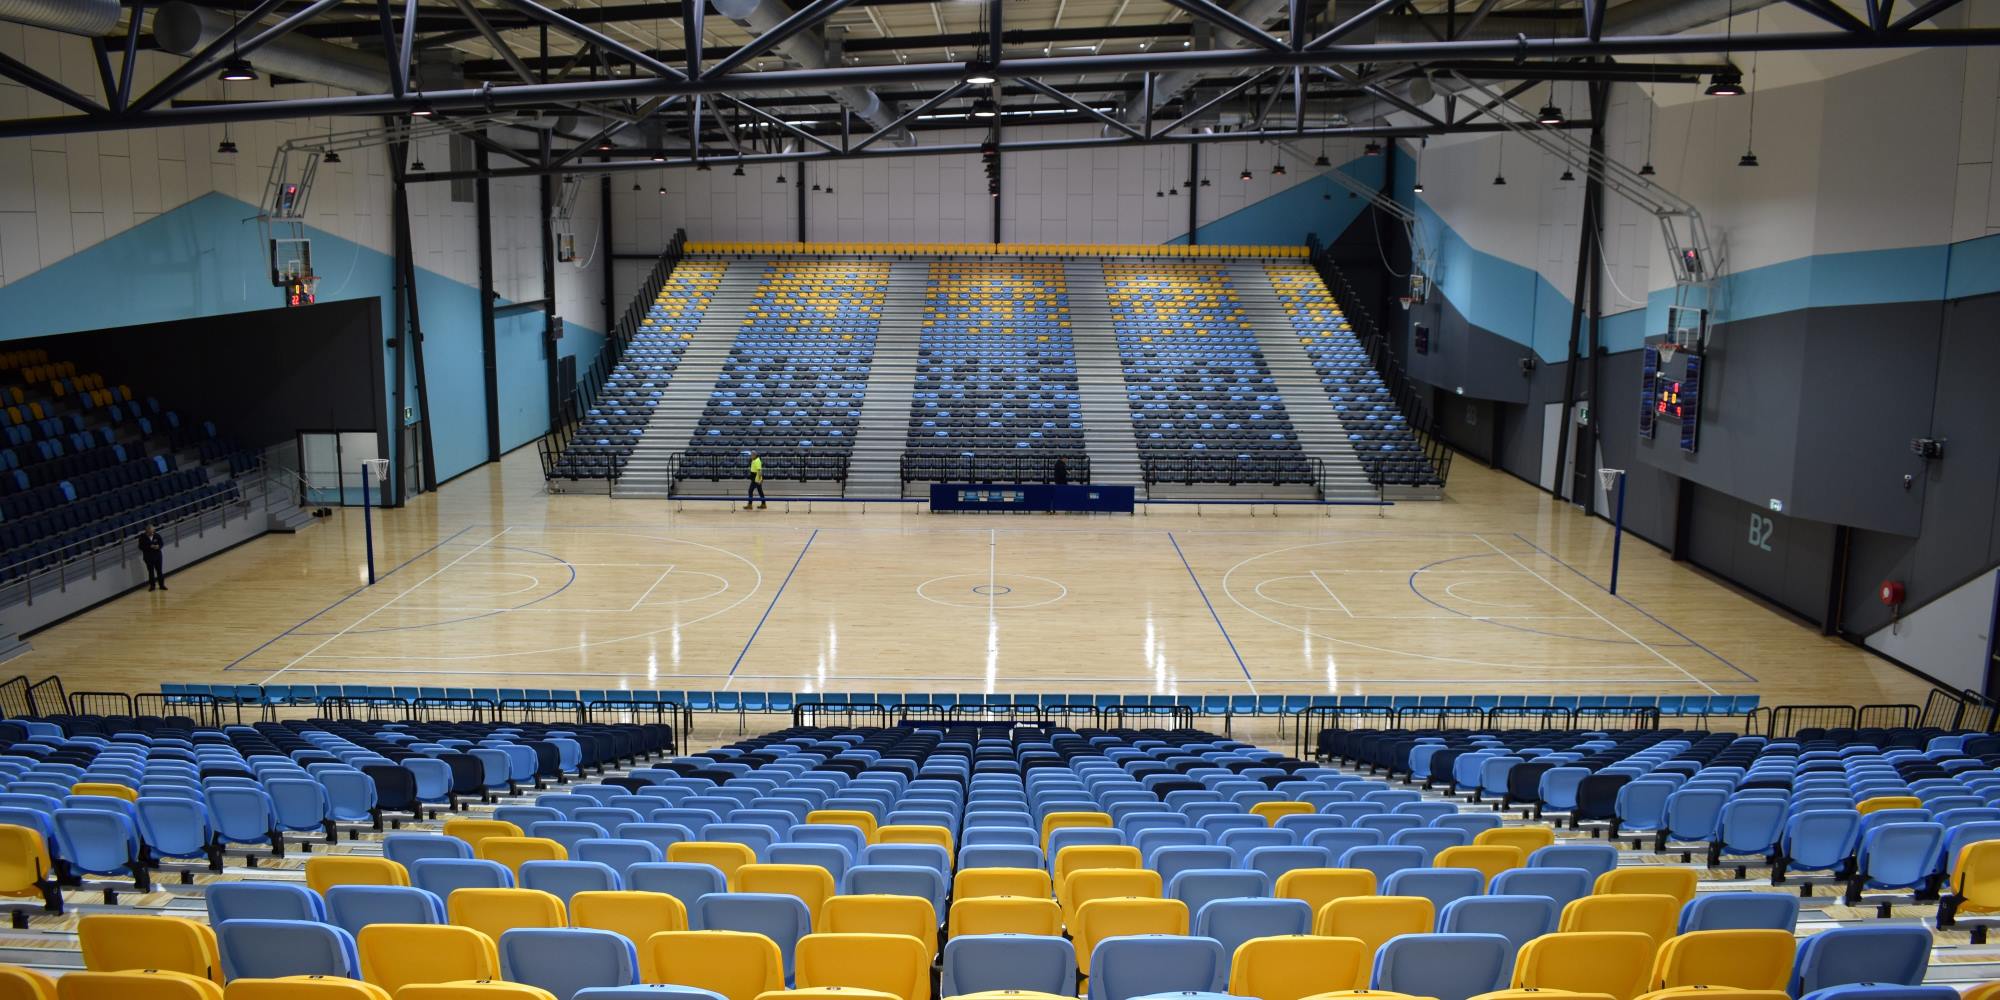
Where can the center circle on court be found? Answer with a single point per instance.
(1005, 592)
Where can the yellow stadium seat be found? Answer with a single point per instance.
(328, 870)
(1005, 915)
(1365, 995)
(810, 883)
(1973, 883)
(1535, 994)
(138, 984)
(1375, 919)
(473, 990)
(1648, 880)
(737, 964)
(1273, 811)
(1732, 993)
(828, 993)
(845, 817)
(1297, 966)
(303, 988)
(637, 915)
(104, 788)
(117, 942)
(1881, 802)
(1984, 991)
(25, 866)
(17, 983)
(1083, 857)
(514, 851)
(896, 964)
(1121, 916)
(472, 831)
(396, 955)
(495, 911)
(1528, 838)
(1610, 962)
(1744, 959)
(881, 914)
(1320, 886)
(1104, 883)
(1490, 860)
(1065, 820)
(902, 833)
(1655, 916)
(724, 855)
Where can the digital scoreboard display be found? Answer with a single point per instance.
(1670, 392)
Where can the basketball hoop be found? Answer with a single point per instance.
(1667, 349)
(376, 469)
(1405, 300)
(1608, 478)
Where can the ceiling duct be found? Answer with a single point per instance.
(183, 29)
(807, 49)
(77, 17)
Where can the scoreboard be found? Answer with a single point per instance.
(1670, 392)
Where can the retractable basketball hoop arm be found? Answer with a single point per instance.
(1681, 226)
(1422, 255)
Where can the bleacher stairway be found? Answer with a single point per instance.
(1320, 432)
(876, 470)
(1100, 379)
(649, 473)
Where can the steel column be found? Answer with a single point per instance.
(489, 349)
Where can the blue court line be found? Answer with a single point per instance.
(1211, 613)
(1427, 599)
(350, 595)
(774, 603)
(1628, 603)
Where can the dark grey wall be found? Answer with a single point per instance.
(259, 376)
(1813, 408)
(1960, 494)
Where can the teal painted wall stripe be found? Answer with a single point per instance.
(1315, 205)
(206, 258)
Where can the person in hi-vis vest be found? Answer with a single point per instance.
(756, 491)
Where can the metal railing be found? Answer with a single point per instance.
(23, 580)
(1189, 470)
(566, 425)
(800, 466)
(1790, 720)
(1404, 391)
(1512, 718)
(1961, 710)
(922, 468)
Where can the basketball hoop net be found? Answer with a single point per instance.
(1608, 478)
(1667, 349)
(1405, 300)
(376, 469)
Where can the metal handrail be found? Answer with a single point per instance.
(915, 468)
(1187, 470)
(799, 465)
(564, 426)
(18, 580)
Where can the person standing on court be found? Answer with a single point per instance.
(150, 544)
(756, 491)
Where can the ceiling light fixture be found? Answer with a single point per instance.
(635, 185)
(984, 108)
(237, 69)
(226, 147)
(1550, 115)
(422, 109)
(663, 190)
(1749, 159)
(1725, 83)
(1418, 187)
(981, 78)
(703, 166)
(1246, 174)
(1567, 176)
(1499, 180)
(781, 177)
(1277, 170)
(738, 172)
(1204, 182)
(1322, 161)
(1750, 128)
(414, 164)
(332, 156)
(1646, 169)
(1372, 149)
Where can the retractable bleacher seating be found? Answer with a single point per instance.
(638, 382)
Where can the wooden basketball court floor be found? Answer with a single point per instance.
(492, 582)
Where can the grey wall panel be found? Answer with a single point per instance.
(1749, 411)
(1783, 559)
(1867, 388)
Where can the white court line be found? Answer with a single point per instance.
(971, 679)
(1621, 631)
(399, 596)
(649, 590)
(1329, 591)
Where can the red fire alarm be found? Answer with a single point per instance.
(1892, 593)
